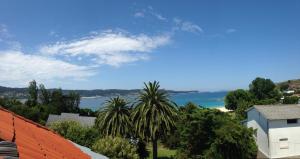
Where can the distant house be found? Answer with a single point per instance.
(289, 91)
(83, 120)
(277, 129)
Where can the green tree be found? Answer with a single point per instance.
(240, 112)
(264, 89)
(201, 132)
(232, 141)
(45, 95)
(73, 131)
(57, 101)
(154, 115)
(234, 97)
(71, 101)
(33, 93)
(114, 118)
(290, 100)
(196, 130)
(115, 148)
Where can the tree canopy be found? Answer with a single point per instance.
(262, 89)
(154, 115)
(233, 98)
(114, 118)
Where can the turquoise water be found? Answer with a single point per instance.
(205, 99)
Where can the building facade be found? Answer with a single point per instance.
(277, 129)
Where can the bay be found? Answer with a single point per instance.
(205, 99)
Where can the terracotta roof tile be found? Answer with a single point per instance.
(35, 141)
(6, 126)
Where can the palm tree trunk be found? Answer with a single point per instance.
(154, 148)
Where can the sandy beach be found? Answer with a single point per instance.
(222, 108)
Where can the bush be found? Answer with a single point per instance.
(233, 141)
(115, 148)
(290, 100)
(73, 131)
(233, 98)
(202, 132)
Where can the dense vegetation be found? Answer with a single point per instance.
(85, 136)
(261, 92)
(193, 131)
(23, 92)
(42, 102)
(125, 130)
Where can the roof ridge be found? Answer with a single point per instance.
(29, 121)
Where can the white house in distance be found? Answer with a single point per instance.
(278, 129)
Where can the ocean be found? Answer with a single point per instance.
(205, 99)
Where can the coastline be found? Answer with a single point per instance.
(221, 108)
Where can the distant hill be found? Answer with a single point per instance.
(22, 92)
(290, 84)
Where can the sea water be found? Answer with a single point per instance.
(205, 99)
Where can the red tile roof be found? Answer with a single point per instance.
(35, 141)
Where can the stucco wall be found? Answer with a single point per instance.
(279, 129)
(258, 122)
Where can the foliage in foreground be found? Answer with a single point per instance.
(232, 142)
(154, 115)
(261, 92)
(42, 102)
(73, 131)
(203, 132)
(115, 148)
(290, 100)
(114, 118)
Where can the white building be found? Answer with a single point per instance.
(278, 129)
(289, 91)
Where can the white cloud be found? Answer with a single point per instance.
(159, 16)
(111, 48)
(186, 26)
(17, 68)
(53, 33)
(4, 33)
(231, 30)
(139, 15)
(6, 38)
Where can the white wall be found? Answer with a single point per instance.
(257, 121)
(279, 129)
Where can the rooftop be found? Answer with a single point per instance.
(83, 120)
(283, 111)
(33, 140)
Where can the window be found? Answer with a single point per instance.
(284, 143)
(292, 121)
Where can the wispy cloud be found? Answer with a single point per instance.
(186, 26)
(53, 33)
(7, 39)
(150, 12)
(108, 47)
(231, 30)
(139, 15)
(159, 16)
(18, 68)
(4, 33)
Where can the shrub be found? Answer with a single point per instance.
(290, 100)
(115, 148)
(73, 131)
(232, 141)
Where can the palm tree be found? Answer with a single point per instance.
(114, 118)
(154, 114)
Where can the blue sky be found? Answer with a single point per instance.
(186, 45)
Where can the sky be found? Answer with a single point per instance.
(205, 45)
